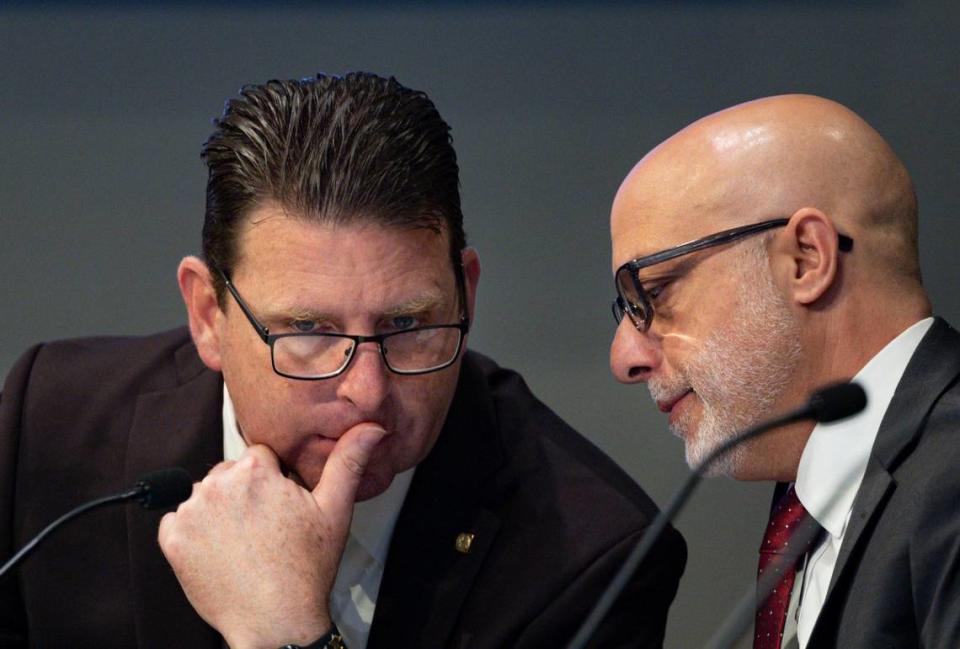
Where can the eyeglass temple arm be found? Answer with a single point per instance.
(461, 274)
(845, 243)
(262, 331)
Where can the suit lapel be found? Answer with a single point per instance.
(932, 369)
(427, 577)
(877, 482)
(176, 427)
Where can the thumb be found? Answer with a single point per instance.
(336, 491)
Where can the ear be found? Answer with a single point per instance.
(471, 269)
(203, 311)
(811, 251)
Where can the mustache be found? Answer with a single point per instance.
(667, 389)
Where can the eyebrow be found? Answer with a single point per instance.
(419, 304)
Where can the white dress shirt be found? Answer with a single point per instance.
(831, 470)
(354, 596)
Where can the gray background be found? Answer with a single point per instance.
(103, 111)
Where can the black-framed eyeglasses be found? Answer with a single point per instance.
(634, 300)
(317, 356)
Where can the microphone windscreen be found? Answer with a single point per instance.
(837, 401)
(164, 488)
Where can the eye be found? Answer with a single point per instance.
(654, 291)
(402, 322)
(303, 326)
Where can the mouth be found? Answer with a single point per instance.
(667, 405)
(316, 446)
(339, 431)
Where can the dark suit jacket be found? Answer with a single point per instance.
(897, 580)
(552, 516)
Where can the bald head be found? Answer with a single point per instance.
(726, 335)
(770, 158)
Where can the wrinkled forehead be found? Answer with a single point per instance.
(321, 265)
(273, 230)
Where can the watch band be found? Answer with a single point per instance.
(331, 640)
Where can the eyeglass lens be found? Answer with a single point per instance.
(632, 300)
(319, 355)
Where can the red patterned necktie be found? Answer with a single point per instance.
(772, 615)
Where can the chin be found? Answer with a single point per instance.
(730, 464)
(372, 485)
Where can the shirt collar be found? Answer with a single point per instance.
(373, 519)
(836, 454)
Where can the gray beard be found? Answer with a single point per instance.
(740, 371)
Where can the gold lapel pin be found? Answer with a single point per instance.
(463, 543)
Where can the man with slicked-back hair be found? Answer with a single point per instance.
(802, 269)
(364, 480)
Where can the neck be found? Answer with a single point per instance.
(837, 345)
(847, 339)
(776, 454)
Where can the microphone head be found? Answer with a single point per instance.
(837, 401)
(164, 488)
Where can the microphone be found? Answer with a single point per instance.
(163, 488)
(154, 490)
(829, 403)
(837, 401)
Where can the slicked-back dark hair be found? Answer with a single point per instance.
(353, 149)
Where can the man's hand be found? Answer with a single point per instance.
(256, 553)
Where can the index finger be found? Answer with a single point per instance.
(260, 455)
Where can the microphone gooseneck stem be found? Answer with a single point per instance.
(93, 504)
(659, 524)
(741, 617)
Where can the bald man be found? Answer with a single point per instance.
(803, 270)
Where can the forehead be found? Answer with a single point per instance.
(666, 201)
(298, 259)
(647, 218)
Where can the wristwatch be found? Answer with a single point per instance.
(331, 640)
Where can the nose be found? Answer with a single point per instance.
(366, 382)
(633, 355)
